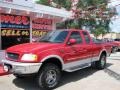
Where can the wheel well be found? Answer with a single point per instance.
(54, 61)
(104, 53)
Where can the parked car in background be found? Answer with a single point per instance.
(112, 43)
(117, 41)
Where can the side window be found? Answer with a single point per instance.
(86, 36)
(76, 35)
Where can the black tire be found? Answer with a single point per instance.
(19, 76)
(49, 76)
(101, 64)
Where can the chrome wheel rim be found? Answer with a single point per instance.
(51, 77)
(103, 60)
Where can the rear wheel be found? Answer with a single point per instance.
(49, 76)
(101, 64)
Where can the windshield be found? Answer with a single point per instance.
(54, 37)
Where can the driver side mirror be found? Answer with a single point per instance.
(72, 41)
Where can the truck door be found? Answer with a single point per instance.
(87, 45)
(97, 47)
(76, 51)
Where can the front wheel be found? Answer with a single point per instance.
(49, 76)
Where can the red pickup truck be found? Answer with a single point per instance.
(57, 51)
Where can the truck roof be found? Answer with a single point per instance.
(73, 30)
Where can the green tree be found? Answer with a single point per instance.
(63, 3)
(90, 13)
(44, 2)
(99, 31)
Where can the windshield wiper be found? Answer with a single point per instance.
(44, 41)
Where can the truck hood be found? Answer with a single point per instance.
(32, 47)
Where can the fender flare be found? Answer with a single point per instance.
(104, 50)
(54, 56)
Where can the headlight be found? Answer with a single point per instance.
(29, 57)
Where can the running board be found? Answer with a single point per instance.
(75, 68)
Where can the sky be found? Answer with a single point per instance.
(115, 26)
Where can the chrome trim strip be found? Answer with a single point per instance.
(77, 63)
(80, 63)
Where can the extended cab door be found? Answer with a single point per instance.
(74, 52)
(88, 46)
(97, 48)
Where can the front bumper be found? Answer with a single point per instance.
(21, 68)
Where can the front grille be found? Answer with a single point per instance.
(13, 56)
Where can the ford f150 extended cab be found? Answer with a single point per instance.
(57, 51)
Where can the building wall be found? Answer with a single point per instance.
(109, 36)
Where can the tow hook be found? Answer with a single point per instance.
(6, 68)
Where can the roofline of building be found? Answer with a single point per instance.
(37, 8)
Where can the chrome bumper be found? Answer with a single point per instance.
(21, 68)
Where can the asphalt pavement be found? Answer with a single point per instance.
(85, 79)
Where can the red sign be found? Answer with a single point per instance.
(15, 21)
(42, 27)
(42, 24)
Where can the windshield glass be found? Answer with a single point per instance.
(54, 36)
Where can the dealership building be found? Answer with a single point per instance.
(22, 20)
